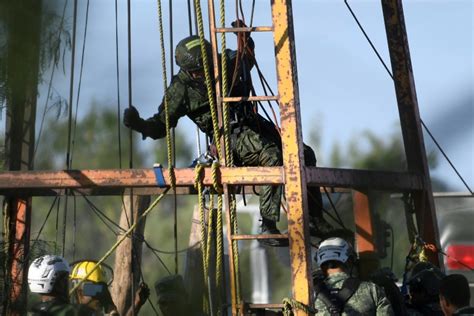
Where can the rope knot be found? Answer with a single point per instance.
(215, 180)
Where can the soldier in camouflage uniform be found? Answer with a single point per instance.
(48, 276)
(337, 293)
(423, 286)
(173, 299)
(255, 141)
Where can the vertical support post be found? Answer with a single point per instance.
(293, 162)
(364, 234)
(128, 256)
(19, 149)
(233, 277)
(410, 120)
(22, 73)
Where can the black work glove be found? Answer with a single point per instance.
(142, 295)
(131, 118)
(238, 23)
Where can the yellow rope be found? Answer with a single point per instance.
(290, 305)
(210, 93)
(198, 174)
(169, 144)
(198, 185)
(118, 242)
(228, 150)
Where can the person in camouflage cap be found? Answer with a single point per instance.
(255, 141)
(172, 296)
(423, 286)
(337, 293)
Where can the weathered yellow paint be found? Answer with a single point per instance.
(295, 182)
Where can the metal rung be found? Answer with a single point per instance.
(264, 306)
(253, 237)
(252, 98)
(244, 29)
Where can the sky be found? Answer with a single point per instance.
(344, 89)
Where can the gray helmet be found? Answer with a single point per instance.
(426, 276)
(188, 53)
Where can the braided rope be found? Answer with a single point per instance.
(169, 144)
(210, 93)
(290, 304)
(198, 170)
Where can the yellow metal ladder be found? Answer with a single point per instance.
(295, 186)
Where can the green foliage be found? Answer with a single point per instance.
(33, 37)
(373, 152)
(96, 146)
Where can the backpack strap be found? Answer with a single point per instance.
(348, 289)
(335, 300)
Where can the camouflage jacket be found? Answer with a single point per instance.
(60, 308)
(188, 97)
(368, 299)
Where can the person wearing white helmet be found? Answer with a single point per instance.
(337, 293)
(48, 276)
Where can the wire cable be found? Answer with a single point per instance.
(173, 138)
(391, 76)
(334, 207)
(117, 70)
(73, 141)
(130, 99)
(48, 94)
(69, 131)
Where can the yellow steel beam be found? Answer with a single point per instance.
(295, 180)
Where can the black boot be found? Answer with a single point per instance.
(269, 228)
(319, 227)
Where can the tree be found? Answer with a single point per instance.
(21, 62)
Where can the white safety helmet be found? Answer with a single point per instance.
(44, 271)
(333, 249)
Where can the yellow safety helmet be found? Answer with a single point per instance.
(83, 268)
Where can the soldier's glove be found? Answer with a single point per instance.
(240, 23)
(142, 295)
(131, 118)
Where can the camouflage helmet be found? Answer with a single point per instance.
(188, 53)
(170, 289)
(427, 277)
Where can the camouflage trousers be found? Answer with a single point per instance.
(253, 148)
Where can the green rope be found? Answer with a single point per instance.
(228, 151)
(290, 305)
(118, 242)
(169, 144)
(210, 93)
(198, 175)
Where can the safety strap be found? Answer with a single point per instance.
(336, 299)
(160, 179)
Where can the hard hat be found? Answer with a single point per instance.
(44, 271)
(333, 249)
(426, 276)
(188, 53)
(170, 288)
(82, 269)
